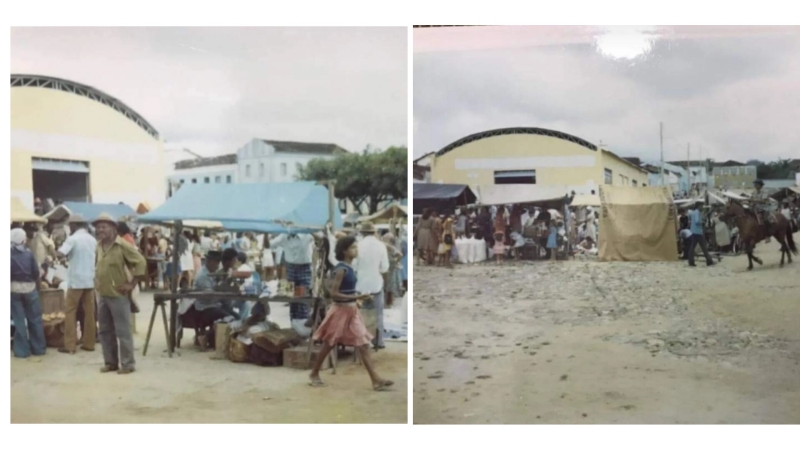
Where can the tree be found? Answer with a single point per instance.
(366, 178)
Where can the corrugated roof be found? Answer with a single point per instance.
(205, 162)
(305, 147)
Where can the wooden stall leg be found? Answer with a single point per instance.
(166, 328)
(173, 323)
(150, 329)
(313, 330)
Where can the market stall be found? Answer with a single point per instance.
(441, 197)
(90, 211)
(637, 224)
(552, 199)
(302, 207)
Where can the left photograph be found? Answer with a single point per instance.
(209, 225)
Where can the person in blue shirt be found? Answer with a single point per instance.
(26, 310)
(698, 237)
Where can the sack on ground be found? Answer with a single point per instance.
(266, 358)
(238, 351)
(54, 333)
(275, 341)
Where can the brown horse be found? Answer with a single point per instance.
(753, 232)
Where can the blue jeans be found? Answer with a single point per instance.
(26, 312)
(243, 307)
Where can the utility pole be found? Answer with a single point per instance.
(661, 139)
(688, 168)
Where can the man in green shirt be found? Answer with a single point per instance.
(114, 256)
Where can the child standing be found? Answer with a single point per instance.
(343, 323)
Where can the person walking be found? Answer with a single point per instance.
(698, 237)
(423, 235)
(343, 323)
(114, 255)
(371, 267)
(26, 310)
(80, 249)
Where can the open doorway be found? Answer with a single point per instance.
(61, 180)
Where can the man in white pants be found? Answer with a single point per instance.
(371, 268)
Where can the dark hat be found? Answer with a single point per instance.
(758, 182)
(367, 228)
(214, 255)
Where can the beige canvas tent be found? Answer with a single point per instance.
(19, 213)
(637, 224)
(586, 200)
(395, 210)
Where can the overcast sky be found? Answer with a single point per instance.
(213, 89)
(734, 92)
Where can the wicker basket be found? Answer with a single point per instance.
(52, 300)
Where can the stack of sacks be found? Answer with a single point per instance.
(463, 247)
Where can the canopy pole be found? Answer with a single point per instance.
(331, 185)
(174, 281)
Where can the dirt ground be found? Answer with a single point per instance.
(191, 388)
(591, 342)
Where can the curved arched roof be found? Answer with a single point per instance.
(518, 130)
(19, 80)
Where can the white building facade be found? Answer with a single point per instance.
(266, 161)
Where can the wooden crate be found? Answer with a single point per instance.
(295, 357)
(52, 301)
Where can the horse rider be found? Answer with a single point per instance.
(761, 205)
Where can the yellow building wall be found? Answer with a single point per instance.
(619, 167)
(443, 167)
(125, 162)
(516, 146)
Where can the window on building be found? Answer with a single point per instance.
(644, 184)
(194, 180)
(609, 176)
(283, 169)
(207, 180)
(515, 177)
(217, 179)
(247, 170)
(228, 179)
(261, 170)
(635, 183)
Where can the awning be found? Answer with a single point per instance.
(441, 196)
(385, 215)
(263, 207)
(90, 211)
(19, 213)
(586, 200)
(507, 194)
(59, 165)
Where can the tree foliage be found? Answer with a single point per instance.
(367, 178)
(782, 169)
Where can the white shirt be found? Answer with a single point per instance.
(371, 264)
(81, 252)
(296, 250)
(591, 230)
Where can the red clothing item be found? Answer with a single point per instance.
(129, 239)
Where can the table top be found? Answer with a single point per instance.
(229, 297)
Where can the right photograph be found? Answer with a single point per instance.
(605, 225)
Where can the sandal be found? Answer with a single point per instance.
(316, 382)
(383, 386)
(108, 368)
(63, 350)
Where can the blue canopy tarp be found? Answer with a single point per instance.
(263, 207)
(90, 211)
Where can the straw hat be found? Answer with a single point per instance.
(104, 217)
(76, 218)
(367, 228)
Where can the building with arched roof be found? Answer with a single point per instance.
(532, 156)
(73, 142)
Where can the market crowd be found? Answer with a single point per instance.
(98, 265)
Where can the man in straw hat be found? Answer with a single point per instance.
(80, 249)
(372, 267)
(114, 255)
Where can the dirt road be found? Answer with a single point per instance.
(191, 388)
(592, 342)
